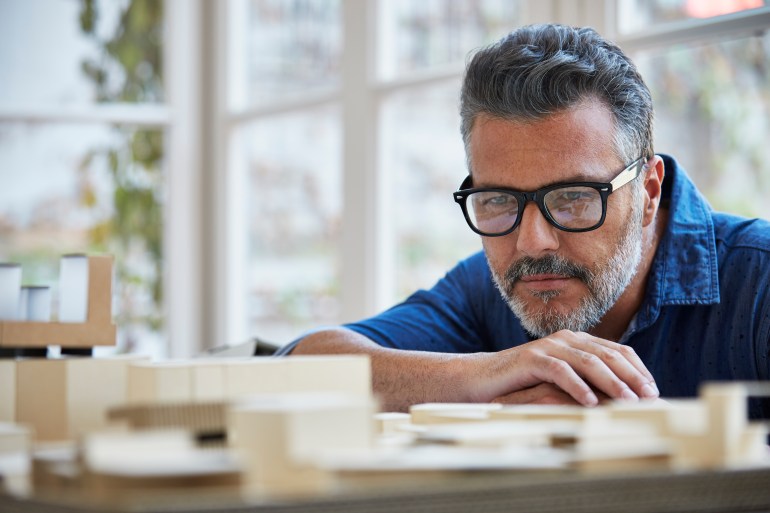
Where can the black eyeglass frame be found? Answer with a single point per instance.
(604, 189)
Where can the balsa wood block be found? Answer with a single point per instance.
(279, 438)
(14, 438)
(442, 413)
(548, 412)
(728, 421)
(199, 417)
(669, 418)
(350, 374)
(121, 469)
(253, 376)
(68, 397)
(159, 382)
(488, 434)
(7, 390)
(98, 330)
(653, 454)
(208, 380)
(15, 460)
(389, 423)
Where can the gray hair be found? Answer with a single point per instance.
(539, 70)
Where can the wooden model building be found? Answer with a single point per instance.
(97, 330)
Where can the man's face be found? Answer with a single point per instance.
(553, 279)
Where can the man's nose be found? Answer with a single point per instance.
(535, 234)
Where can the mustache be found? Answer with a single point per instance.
(549, 264)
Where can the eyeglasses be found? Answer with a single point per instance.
(572, 206)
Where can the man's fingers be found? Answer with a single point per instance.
(562, 374)
(544, 393)
(630, 355)
(622, 362)
(573, 361)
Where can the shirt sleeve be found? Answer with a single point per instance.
(445, 318)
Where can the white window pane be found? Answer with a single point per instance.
(636, 15)
(293, 206)
(429, 33)
(88, 188)
(60, 52)
(283, 48)
(713, 113)
(423, 150)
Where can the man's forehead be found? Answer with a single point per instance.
(576, 144)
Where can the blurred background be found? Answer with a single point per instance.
(263, 167)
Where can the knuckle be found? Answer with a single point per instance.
(589, 359)
(610, 356)
(627, 351)
(566, 334)
(556, 366)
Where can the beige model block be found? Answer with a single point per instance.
(687, 417)
(68, 397)
(121, 469)
(488, 434)
(15, 459)
(443, 413)
(728, 421)
(253, 376)
(7, 390)
(550, 412)
(55, 467)
(280, 437)
(207, 380)
(753, 449)
(617, 436)
(644, 455)
(14, 438)
(350, 374)
(654, 413)
(206, 420)
(389, 423)
(159, 382)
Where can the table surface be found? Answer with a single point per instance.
(722, 491)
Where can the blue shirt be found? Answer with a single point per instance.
(705, 315)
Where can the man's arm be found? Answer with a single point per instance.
(574, 362)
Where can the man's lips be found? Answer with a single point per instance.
(545, 281)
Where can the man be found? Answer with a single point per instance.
(604, 272)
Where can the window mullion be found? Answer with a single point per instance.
(183, 164)
(364, 254)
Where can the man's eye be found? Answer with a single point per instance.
(497, 201)
(571, 195)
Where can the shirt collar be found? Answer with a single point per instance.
(684, 270)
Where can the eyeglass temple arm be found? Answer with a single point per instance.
(628, 174)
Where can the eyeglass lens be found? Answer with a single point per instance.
(575, 207)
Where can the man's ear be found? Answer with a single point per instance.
(653, 188)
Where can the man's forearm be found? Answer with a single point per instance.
(399, 378)
(573, 362)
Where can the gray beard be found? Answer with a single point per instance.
(605, 284)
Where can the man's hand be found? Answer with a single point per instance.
(574, 362)
(544, 393)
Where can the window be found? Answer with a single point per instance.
(707, 70)
(262, 167)
(82, 147)
(421, 146)
(297, 113)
